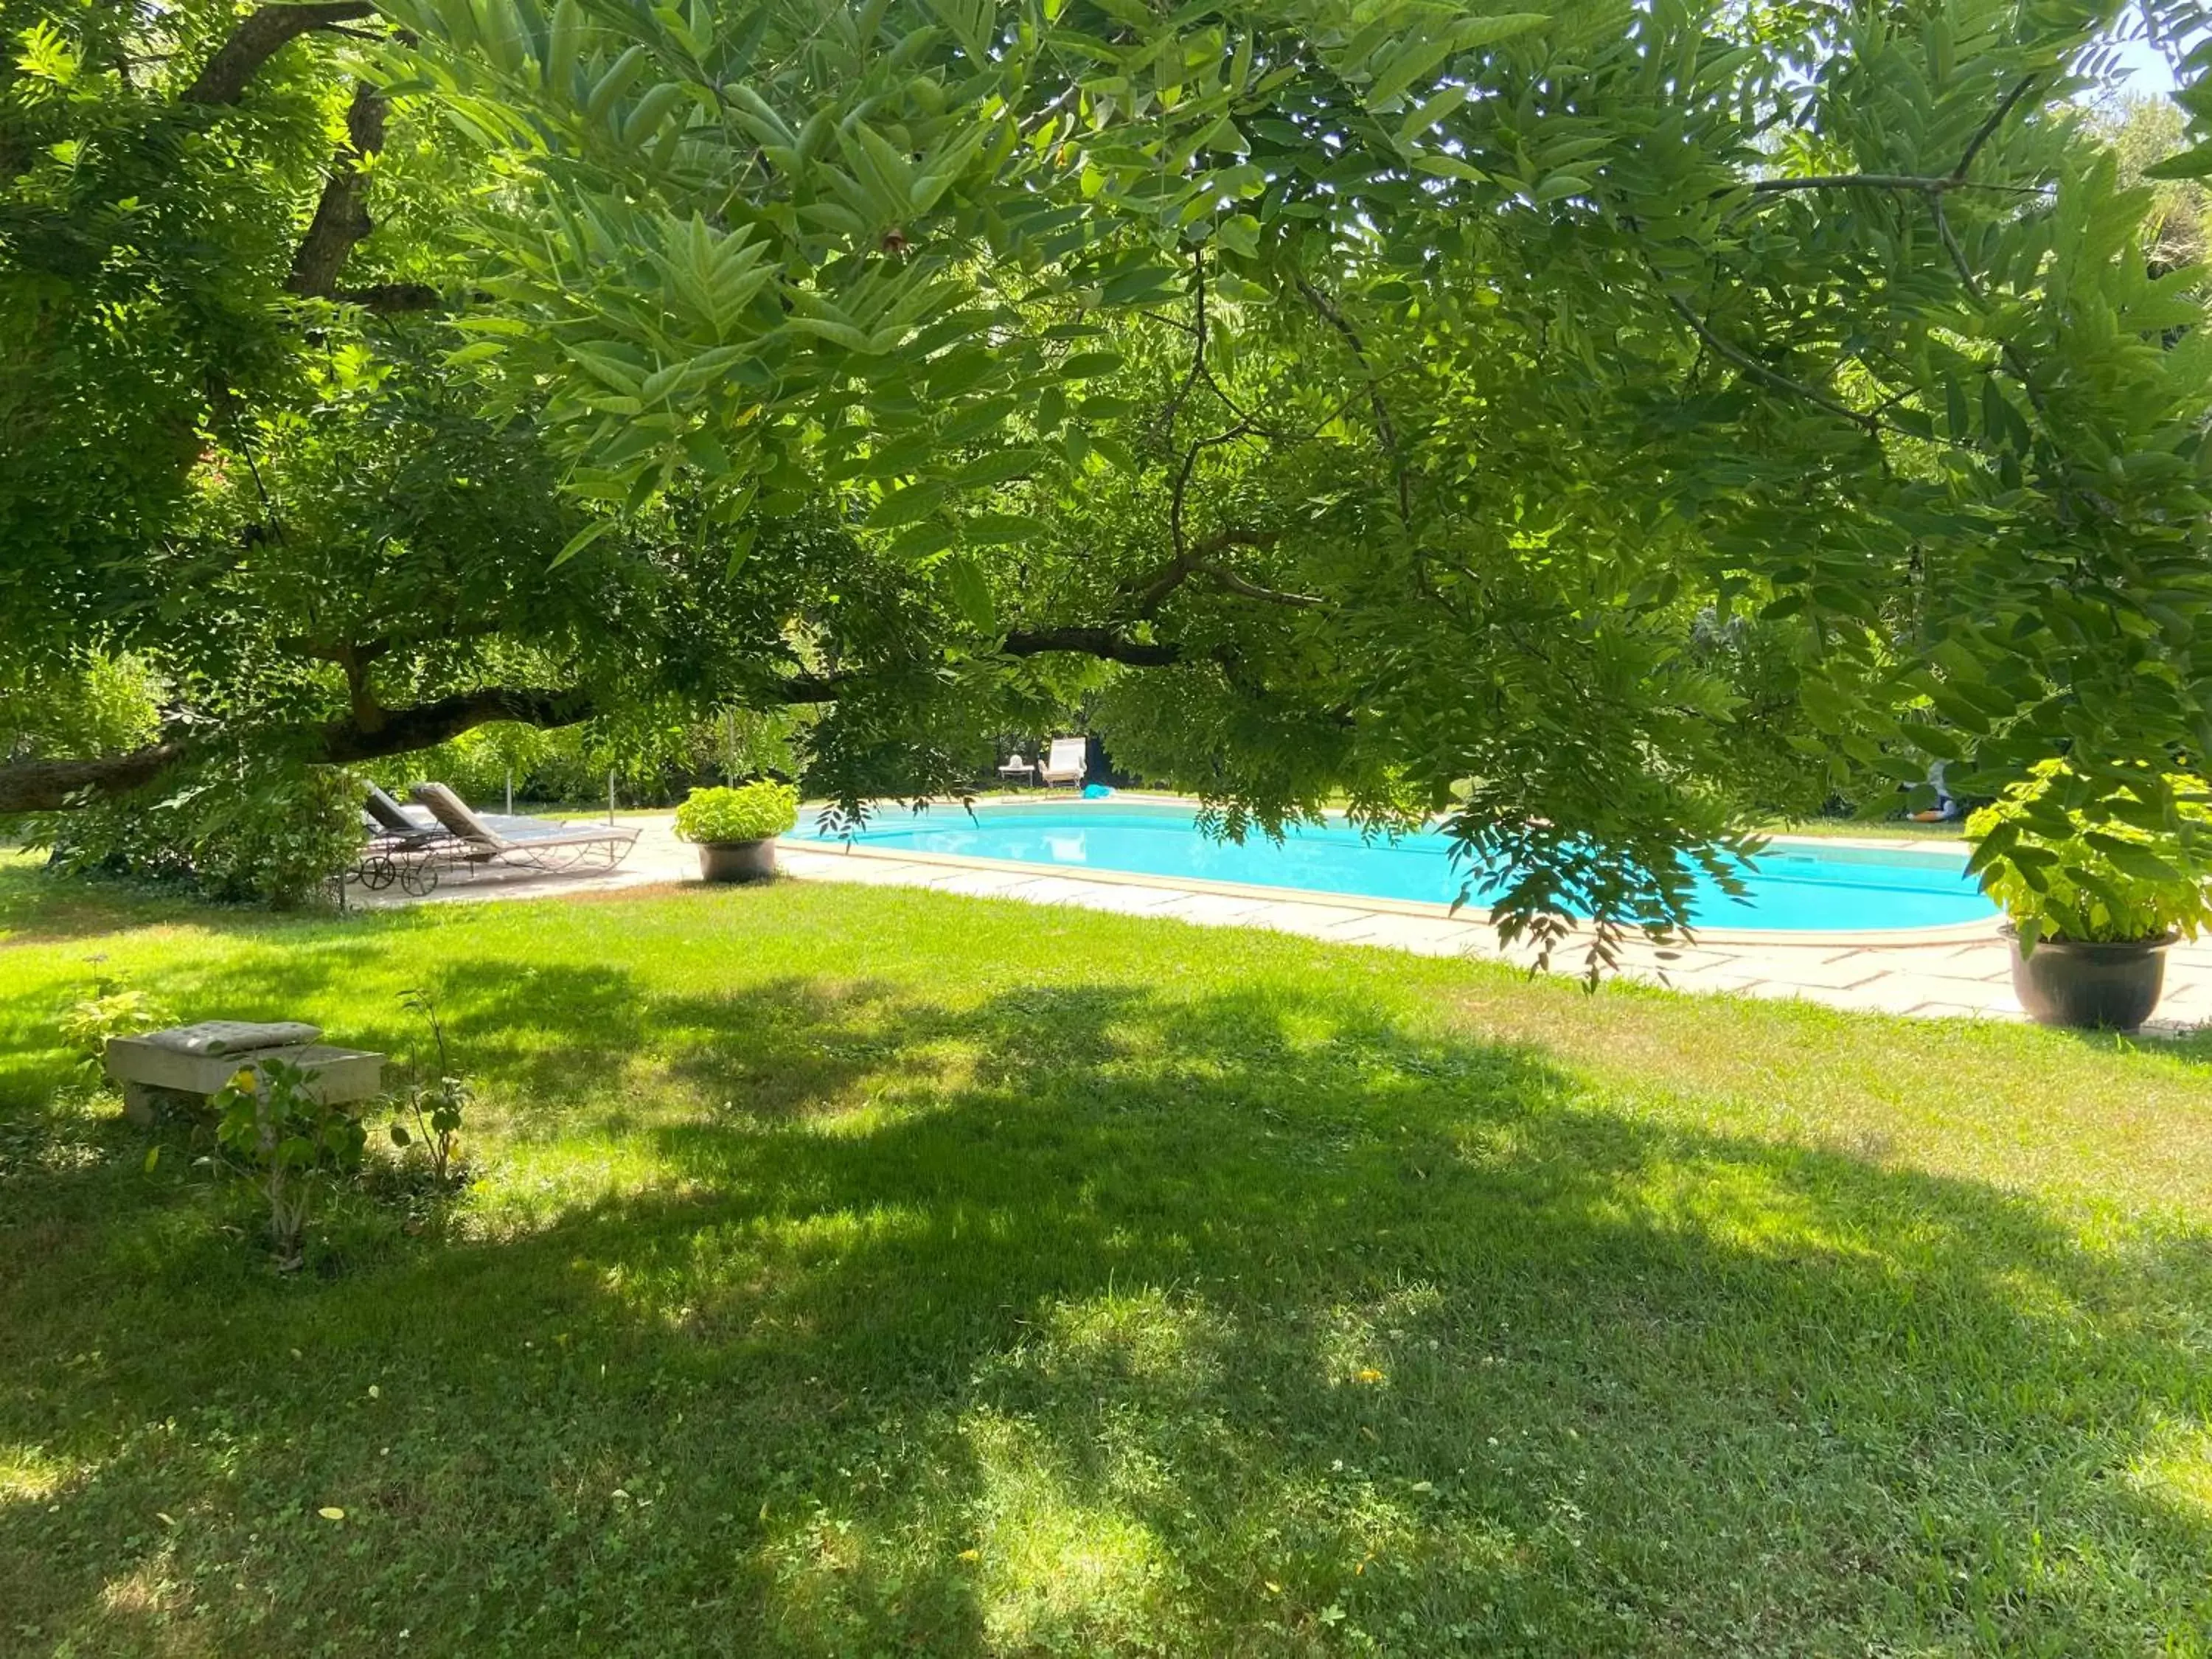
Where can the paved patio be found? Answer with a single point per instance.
(1956, 972)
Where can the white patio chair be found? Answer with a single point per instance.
(1067, 763)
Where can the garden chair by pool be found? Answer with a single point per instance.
(391, 820)
(405, 847)
(532, 843)
(1066, 763)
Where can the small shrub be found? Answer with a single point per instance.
(235, 826)
(113, 1010)
(433, 1108)
(290, 1146)
(754, 812)
(2061, 873)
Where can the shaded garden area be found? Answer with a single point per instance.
(860, 1272)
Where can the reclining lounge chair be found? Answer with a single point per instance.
(532, 843)
(387, 820)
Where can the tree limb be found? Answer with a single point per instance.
(1163, 426)
(54, 785)
(1179, 569)
(1105, 643)
(341, 218)
(1988, 129)
(50, 786)
(1935, 185)
(1751, 365)
(1385, 430)
(342, 742)
(1236, 584)
(260, 34)
(388, 299)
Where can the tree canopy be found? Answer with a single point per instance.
(1584, 423)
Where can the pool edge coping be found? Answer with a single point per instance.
(1951, 933)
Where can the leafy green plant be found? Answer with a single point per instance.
(289, 1144)
(113, 1010)
(433, 1108)
(2127, 870)
(754, 812)
(237, 826)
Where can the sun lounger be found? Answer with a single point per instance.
(387, 819)
(534, 843)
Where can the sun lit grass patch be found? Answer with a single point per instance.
(1058, 1562)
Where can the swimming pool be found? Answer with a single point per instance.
(1797, 886)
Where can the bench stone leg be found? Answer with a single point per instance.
(138, 1103)
(144, 1102)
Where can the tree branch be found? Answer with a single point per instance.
(341, 742)
(341, 218)
(388, 299)
(1186, 563)
(1236, 584)
(1385, 430)
(1988, 129)
(1751, 366)
(259, 36)
(50, 786)
(59, 784)
(1936, 185)
(1164, 426)
(1104, 643)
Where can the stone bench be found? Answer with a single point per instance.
(150, 1071)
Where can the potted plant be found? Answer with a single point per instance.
(2094, 887)
(736, 829)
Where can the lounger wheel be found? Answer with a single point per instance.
(419, 880)
(376, 874)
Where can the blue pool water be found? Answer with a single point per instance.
(1795, 886)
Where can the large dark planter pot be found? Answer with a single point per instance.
(736, 861)
(2089, 987)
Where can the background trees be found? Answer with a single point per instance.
(1586, 422)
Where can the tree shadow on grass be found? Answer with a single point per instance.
(1101, 1319)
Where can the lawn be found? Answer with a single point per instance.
(858, 1271)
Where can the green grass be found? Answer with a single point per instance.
(1869, 829)
(866, 1272)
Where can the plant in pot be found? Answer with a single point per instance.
(2095, 882)
(736, 829)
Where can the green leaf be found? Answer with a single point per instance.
(2193, 163)
(582, 539)
(1139, 286)
(907, 506)
(920, 541)
(970, 589)
(989, 529)
(998, 467)
(1085, 365)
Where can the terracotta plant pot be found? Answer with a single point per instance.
(2088, 986)
(736, 861)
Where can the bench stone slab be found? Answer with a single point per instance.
(147, 1070)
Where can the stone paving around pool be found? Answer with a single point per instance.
(1957, 972)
